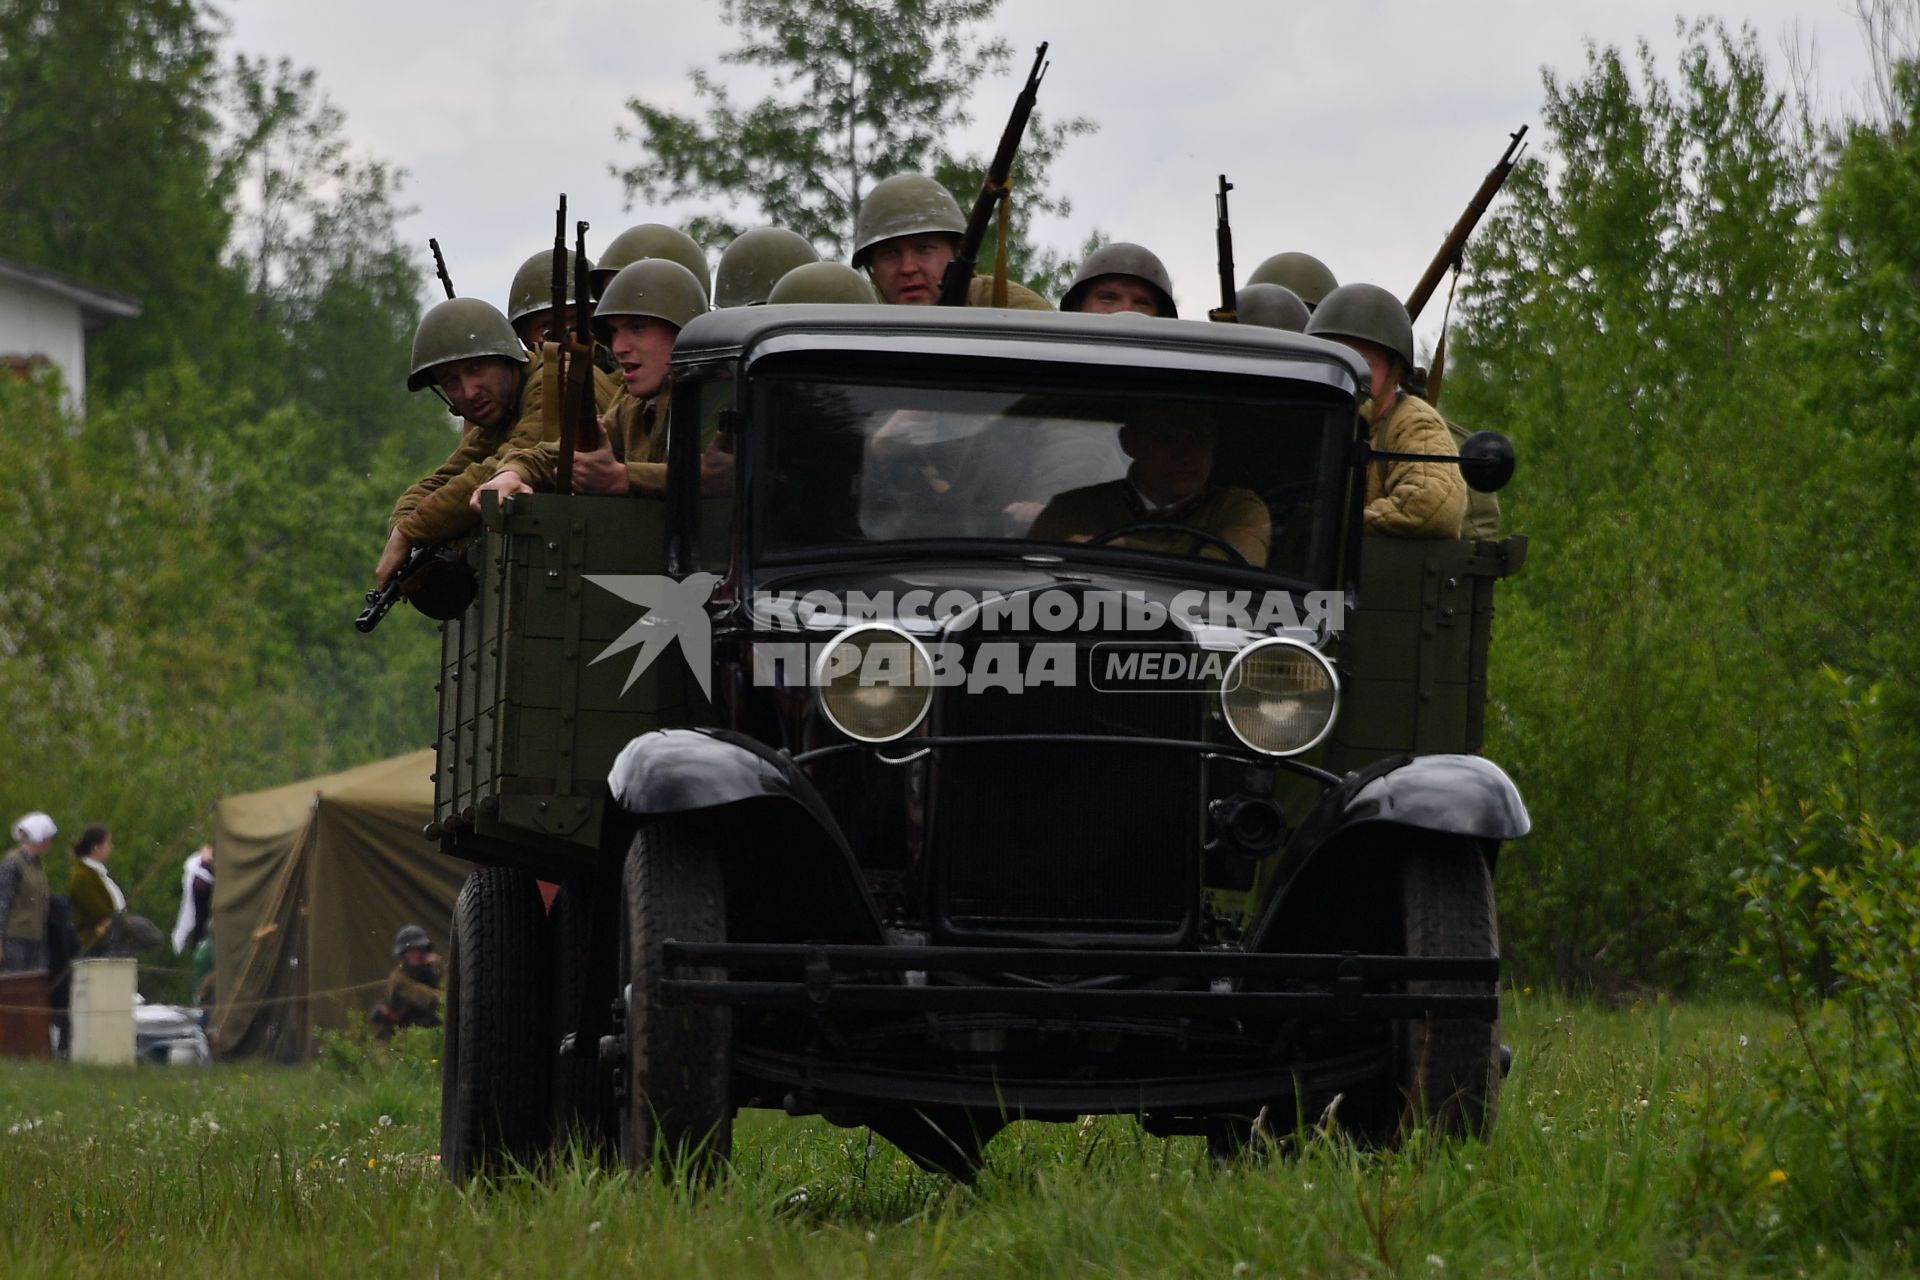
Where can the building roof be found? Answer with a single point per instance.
(98, 306)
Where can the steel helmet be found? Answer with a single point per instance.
(1303, 273)
(652, 287)
(1272, 305)
(1367, 312)
(411, 936)
(1122, 259)
(652, 240)
(533, 285)
(460, 329)
(823, 282)
(754, 263)
(907, 204)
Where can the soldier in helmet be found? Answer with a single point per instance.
(1121, 277)
(413, 988)
(468, 353)
(645, 306)
(1272, 306)
(755, 262)
(652, 240)
(1303, 273)
(908, 231)
(1408, 499)
(530, 300)
(833, 282)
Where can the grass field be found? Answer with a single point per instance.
(249, 1171)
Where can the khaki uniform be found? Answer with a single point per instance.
(636, 431)
(435, 509)
(412, 999)
(1483, 509)
(1019, 297)
(1234, 514)
(1414, 499)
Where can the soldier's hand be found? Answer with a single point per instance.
(391, 558)
(1021, 515)
(716, 472)
(596, 470)
(506, 484)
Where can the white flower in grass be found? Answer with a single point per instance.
(1437, 1262)
(386, 1122)
(1241, 1268)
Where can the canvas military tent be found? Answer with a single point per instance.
(312, 881)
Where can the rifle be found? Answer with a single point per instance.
(586, 416)
(440, 266)
(1228, 312)
(555, 350)
(959, 275)
(435, 578)
(1456, 241)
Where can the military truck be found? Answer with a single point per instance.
(926, 774)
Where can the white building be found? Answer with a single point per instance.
(45, 318)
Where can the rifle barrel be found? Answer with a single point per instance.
(563, 473)
(1223, 245)
(440, 266)
(959, 273)
(1456, 242)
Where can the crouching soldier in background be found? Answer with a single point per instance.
(413, 988)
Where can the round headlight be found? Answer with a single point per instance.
(1279, 696)
(874, 682)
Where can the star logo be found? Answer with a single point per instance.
(674, 611)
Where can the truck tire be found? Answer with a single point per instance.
(1447, 1069)
(678, 1105)
(583, 923)
(1442, 1073)
(496, 1064)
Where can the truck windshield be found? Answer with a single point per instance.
(1212, 477)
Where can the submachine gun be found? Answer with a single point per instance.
(435, 580)
(993, 191)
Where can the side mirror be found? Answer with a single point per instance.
(1486, 461)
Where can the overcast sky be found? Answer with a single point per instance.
(1356, 132)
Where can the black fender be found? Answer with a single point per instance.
(1440, 795)
(791, 874)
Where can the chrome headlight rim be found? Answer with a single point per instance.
(1232, 674)
(824, 661)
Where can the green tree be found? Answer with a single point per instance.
(861, 91)
(107, 169)
(1636, 320)
(317, 239)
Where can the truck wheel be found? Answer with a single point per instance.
(678, 1102)
(1447, 1069)
(583, 923)
(494, 1069)
(1440, 1072)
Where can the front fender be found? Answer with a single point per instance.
(1451, 794)
(792, 874)
(1439, 795)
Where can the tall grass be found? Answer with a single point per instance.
(239, 1171)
